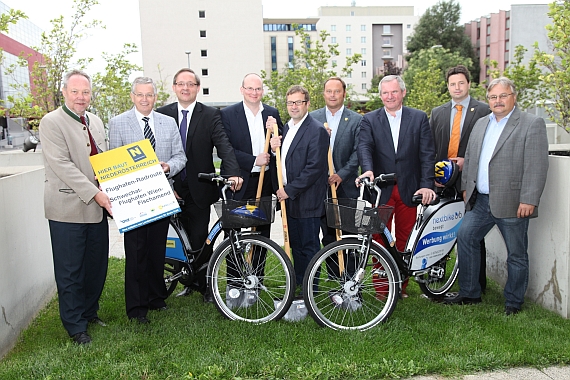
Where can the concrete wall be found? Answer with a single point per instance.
(549, 244)
(26, 270)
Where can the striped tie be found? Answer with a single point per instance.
(148, 132)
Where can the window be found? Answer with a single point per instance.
(363, 74)
(204, 72)
(333, 40)
(349, 75)
(363, 40)
(202, 34)
(363, 51)
(489, 29)
(488, 51)
(386, 40)
(333, 28)
(273, 53)
(291, 51)
(205, 91)
(507, 45)
(363, 62)
(386, 29)
(409, 26)
(348, 40)
(201, 14)
(333, 63)
(348, 28)
(363, 28)
(363, 86)
(386, 52)
(352, 13)
(348, 51)
(203, 53)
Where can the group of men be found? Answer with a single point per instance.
(502, 155)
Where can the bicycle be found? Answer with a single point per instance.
(368, 284)
(250, 277)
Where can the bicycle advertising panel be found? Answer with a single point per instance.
(133, 179)
(437, 235)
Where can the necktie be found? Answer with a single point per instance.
(148, 132)
(183, 132)
(94, 150)
(453, 147)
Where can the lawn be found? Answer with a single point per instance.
(192, 341)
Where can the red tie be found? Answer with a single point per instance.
(92, 142)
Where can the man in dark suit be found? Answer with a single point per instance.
(74, 205)
(201, 130)
(304, 152)
(456, 119)
(145, 245)
(344, 127)
(504, 174)
(398, 139)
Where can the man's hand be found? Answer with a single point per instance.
(464, 195)
(237, 182)
(103, 200)
(428, 195)
(176, 195)
(335, 179)
(525, 210)
(165, 167)
(271, 121)
(459, 161)
(281, 195)
(262, 159)
(368, 174)
(275, 142)
(437, 184)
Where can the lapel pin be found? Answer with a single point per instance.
(346, 119)
(472, 109)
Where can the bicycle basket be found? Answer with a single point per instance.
(356, 216)
(246, 213)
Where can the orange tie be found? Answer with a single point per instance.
(453, 147)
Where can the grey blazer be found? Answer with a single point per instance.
(345, 157)
(125, 129)
(69, 179)
(518, 166)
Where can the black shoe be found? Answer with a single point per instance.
(162, 308)
(141, 320)
(460, 300)
(81, 338)
(97, 321)
(510, 310)
(207, 297)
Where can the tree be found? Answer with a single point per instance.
(439, 26)
(310, 68)
(555, 86)
(426, 94)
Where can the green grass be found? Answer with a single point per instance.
(192, 341)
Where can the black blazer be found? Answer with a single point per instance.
(205, 132)
(237, 129)
(307, 170)
(415, 160)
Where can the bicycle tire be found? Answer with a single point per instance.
(258, 288)
(338, 302)
(442, 276)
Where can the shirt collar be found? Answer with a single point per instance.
(338, 113)
(492, 116)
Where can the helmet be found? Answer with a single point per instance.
(446, 173)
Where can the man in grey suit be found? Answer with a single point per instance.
(145, 246)
(451, 125)
(74, 205)
(504, 174)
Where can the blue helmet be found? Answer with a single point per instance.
(446, 172)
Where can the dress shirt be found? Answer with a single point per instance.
(395, 126)
(190, 109)
(333, 121)
(293, 129)
(256, 133)
(465, 104)
(492, 134)
(150, 121)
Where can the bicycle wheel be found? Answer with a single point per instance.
(171, 267)
(440, 277)
(255, 284)
(359, 298)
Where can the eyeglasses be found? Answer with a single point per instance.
(297, 103)
(251, 89)
(501, 96)
(186, 84)
(140, 96)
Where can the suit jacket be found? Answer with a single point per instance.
(204, 132)
(125, 129)
(345, 158)
(518, 166)
(70, 184)
(307, 170)
(237, 130)
(415, 160)
(440, 122)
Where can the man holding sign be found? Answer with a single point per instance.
(145, 245)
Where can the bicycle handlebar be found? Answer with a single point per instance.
(214, 177)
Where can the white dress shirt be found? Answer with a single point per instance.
(287, 140)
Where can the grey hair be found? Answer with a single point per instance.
(390, 78)
(502, 81)
(71, 73)
(143, 80)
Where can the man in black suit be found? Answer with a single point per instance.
(461, 112)
(304, 161)
(201, 130)
(397, 139)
